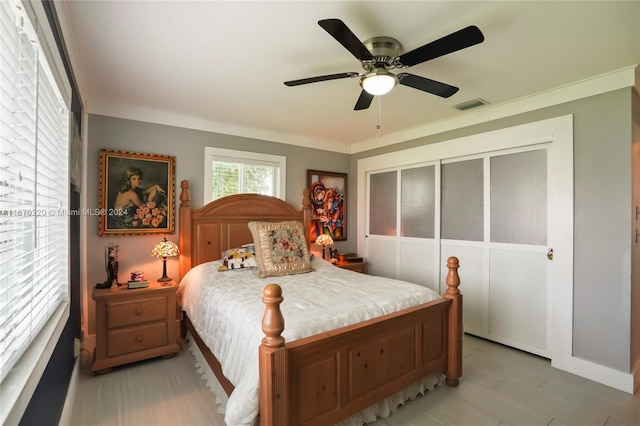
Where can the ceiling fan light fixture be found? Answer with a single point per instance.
(378, 82)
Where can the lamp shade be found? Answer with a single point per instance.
(165, 249)
(324, 240)
(378, 82)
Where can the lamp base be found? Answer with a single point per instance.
(164, 278)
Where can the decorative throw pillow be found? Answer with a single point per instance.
(281, 248)
(235, 259)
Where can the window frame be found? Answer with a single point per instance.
(243, 157)
(19, 386)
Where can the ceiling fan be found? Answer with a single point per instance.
(378, 55)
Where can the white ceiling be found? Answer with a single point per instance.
(221, 65)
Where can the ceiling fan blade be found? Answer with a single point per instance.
(363, 101)
(345, 37)
(426, 85)
(321, 78)
(461, 39)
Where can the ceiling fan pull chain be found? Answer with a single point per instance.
(379, 125)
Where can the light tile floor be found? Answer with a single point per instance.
(500, 386)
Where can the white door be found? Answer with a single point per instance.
(499, 201)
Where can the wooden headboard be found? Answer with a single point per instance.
(206, 232)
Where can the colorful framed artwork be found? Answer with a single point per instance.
(136, 193)
(328, 193)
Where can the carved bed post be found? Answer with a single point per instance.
(454, 362)
(273, 361)
(184, 218)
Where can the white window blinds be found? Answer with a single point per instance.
(34, 182)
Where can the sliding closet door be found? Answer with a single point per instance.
(494, 216)
(402, 225)
(489, 209)
(503, 204)
(518, 246)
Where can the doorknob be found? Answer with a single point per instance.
(550, 254)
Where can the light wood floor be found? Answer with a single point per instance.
(500, 386)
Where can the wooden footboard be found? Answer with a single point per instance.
(328, 377)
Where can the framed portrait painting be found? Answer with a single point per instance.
(328, 193)
(136, 193)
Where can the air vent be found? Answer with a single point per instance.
(474, 103)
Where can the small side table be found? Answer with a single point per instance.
(353, 266)
(134, 324)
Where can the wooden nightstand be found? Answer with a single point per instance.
(132, 325)
(353, 266)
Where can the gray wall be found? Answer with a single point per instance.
(188, 147)
(602, 179)
(603, 206)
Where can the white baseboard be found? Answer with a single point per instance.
(67, 409)
(598, 373)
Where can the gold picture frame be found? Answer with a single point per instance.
(137, 193)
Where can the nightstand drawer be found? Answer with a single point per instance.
(129, 312)
(134, 324)
(135, 339)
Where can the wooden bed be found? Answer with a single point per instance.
(325, 378)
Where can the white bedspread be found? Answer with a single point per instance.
(226, 309)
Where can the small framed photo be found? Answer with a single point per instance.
(136, 193)
(328, 193)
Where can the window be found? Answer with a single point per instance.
(230, 172)
(34, 198)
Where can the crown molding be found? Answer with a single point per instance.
(625, 77)
(191, 122)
